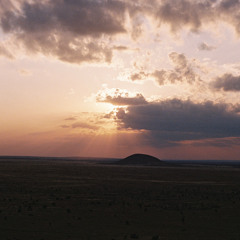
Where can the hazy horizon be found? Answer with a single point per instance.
(112, 78)
(230, 162)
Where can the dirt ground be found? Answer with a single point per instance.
(69, 200)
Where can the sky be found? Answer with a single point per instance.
(109, 78)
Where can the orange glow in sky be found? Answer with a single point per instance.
(111, 78)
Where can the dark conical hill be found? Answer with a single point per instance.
(140, 159)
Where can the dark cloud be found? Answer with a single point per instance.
(173, 121)
(229, 4)
(229, 11)
(81, 31)
(79, 17)
(237, 108)
(185, 13)
(120, 98)
(73, 31)
(222, 142)
(195, 13)
(205, 47)
(227, 82)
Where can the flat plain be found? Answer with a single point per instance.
(73, 200)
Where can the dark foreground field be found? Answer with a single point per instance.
(61, 200)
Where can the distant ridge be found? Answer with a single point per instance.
(140, 159)
(90, 159)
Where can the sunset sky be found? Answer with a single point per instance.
(108, 78)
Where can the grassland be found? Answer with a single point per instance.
(70, 200)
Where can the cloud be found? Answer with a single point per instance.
(229, 11)
(227, 82)
(24, 72)
(84, 125)
(84, 31)
(183, 71)
(120, 97)
(139, 76)
(5, 52)
(70, 119)
(137, 29)
(195, 14)
(221, 142)
(205, 47)
(120, 48)
(72, 31)
(79, 17)
(171, 121)
(184, 13)
(6, 5)
(88, 122)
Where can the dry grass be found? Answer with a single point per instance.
(68, 200)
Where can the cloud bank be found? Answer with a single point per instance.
(173, 121)
(73, 31)
(84, 31)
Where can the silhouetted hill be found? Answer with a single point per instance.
(140, 159)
